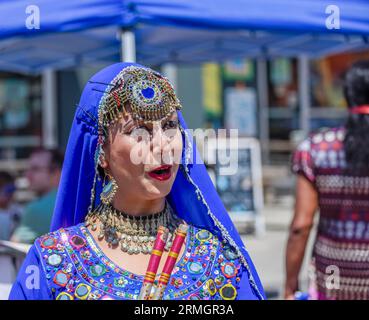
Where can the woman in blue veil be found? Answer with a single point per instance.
(70, 263)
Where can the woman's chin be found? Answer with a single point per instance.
(161, 191)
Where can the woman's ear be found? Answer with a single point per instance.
(103, 161)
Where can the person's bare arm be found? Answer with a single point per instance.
(302, 222)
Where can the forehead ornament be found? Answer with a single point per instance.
(150, 96)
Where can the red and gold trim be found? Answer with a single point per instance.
(171, 260)
(154, 261)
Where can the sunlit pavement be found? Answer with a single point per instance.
(4, 291)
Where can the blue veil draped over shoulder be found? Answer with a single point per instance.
(193, 195)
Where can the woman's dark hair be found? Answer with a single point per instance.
(356, 143)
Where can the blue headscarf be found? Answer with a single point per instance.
(193, 196)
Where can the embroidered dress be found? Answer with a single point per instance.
(76, 268)
(342, 242)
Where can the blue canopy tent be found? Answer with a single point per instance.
(52, 35)
(78, 32)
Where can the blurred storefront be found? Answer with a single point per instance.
(232, 97)
(20, 118)
(20, 115)
(263, 99)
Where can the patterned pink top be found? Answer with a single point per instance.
(341, 251)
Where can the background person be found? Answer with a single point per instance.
(43, 173)
(9, 211)
(332, 168)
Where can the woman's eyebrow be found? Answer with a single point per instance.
(173, 117)
(127, 123)
(136, 122)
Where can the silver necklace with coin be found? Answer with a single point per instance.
(134, 234)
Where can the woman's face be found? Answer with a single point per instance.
(143, 157)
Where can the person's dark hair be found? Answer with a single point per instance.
(356, 143)
(57, 157)
(5, 178)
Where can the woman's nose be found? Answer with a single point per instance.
(159, 136)
(159, 142)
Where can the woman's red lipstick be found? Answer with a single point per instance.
(161, 173)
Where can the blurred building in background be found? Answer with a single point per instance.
(38, 110)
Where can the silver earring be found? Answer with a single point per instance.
(109, 190)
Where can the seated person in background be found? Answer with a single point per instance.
(43, 173)
(9, 212)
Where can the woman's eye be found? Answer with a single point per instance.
(171, 124)
(134, 129)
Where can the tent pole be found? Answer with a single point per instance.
(262, 92)
(169, 70)
(128, 45)
(49, 109)
(304, 93)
